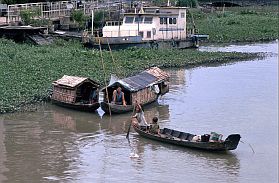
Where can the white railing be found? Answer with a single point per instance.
(44, 9)
(113, 23)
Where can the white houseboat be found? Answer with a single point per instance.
(155, 27)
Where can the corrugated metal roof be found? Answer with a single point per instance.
(72, 81)
(142, 80)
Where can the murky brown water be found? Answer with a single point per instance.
(59, 145)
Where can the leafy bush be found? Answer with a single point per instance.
(79, 17)
(187, 3)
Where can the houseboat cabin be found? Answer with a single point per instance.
(151, 23)
(76, 92)
(143, 88)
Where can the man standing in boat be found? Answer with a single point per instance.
(140, 117)
(118, 97)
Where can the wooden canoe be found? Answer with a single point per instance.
(78, 106)
(116, 109)
(119, 109)
(185, 139)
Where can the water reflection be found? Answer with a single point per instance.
(3, 156)
(80, 122)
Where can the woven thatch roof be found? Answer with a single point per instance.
(73, 81)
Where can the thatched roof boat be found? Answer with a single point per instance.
(76, 92)
(143, 88)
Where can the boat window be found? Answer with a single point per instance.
(141, 33)
(129, 20)
(148, 34)
(165, 20)
(182, 15)
(138, 19)
(170, 20)
(174, 21)
(148, 20)
(161, 20)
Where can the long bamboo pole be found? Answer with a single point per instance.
(104, 75)
(113, 60)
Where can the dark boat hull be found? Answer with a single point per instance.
(81, 107)
(116, 109)
(119, 109)
(161, 44)
(229, 144)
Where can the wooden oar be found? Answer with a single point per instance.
(127, 136)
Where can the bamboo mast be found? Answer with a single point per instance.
(113, 60)
(102, 60)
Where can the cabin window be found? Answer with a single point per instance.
(174, 21)
(138, 19)
(161, 20)
(165, 20)
(182, 15)
(141, 33)
(148, 20)
(170, 20)
(148, 34)
(129, 20)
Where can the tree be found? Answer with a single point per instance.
(79, 17)
(187, 3)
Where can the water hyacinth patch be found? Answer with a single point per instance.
(239, 24)
(27, 71)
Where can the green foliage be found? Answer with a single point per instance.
(27, 71)
(79, 17)
(28, 17)
(164, 2)
(242, 24)
(14, 1)
(187, 3)
(100, 16)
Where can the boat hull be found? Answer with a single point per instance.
(229, 144)
(119, 109)
(81, 107)
(154, 44)
(115, 109)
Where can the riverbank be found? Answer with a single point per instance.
(26, 71)
(238, 24)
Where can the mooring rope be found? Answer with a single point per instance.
(249, 146)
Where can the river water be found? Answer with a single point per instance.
(58, 145)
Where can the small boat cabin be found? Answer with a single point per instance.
(73, 89)
(150, 23)
(143, 88)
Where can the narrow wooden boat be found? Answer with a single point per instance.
(144, 88)
(186, 139)
(118, 109)
(77, 93)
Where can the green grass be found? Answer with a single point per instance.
(241, 24)
(26, 71)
